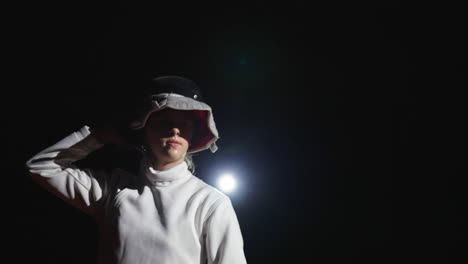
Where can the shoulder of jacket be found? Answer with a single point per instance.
(208, 189)
(208, 196)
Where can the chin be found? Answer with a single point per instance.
(174, 155)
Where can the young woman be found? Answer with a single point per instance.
(163, 213)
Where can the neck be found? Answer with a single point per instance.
(165, 177)
(161, 166)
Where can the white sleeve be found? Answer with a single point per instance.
(224, 243)
(53, 169)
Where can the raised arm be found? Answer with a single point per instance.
(53, 169)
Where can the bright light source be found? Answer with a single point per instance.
(227, 183)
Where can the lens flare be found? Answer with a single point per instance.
(227, 183)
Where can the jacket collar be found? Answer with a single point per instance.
(165, 177)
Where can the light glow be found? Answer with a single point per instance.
(227, 183)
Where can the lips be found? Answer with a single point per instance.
(174, 142)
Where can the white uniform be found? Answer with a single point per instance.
(158, 217)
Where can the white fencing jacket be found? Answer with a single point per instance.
(163, 217)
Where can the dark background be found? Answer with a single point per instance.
(345, 122)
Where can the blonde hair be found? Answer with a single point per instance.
(189, 160)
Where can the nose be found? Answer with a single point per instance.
(175, 131)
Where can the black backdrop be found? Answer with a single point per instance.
(345, 121)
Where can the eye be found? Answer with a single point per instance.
(166, 123)
(159, 123)
(184, 124)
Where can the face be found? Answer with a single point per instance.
(167, 134)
